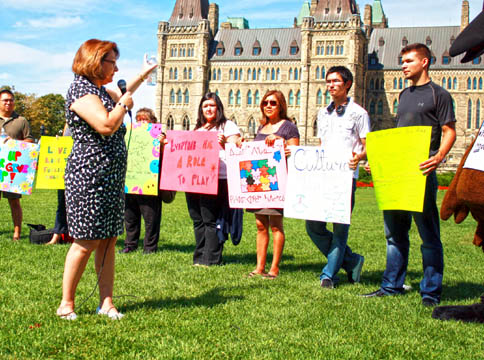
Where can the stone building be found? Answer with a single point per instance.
(196, 54)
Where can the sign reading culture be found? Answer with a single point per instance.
(18, 163)
(318, 186)
(143, 158)
(394, 156)
(256, 175)
(191, 162)
(54, 152)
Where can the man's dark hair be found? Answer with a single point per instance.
(421, 49)
(344, 72)
(6, 91)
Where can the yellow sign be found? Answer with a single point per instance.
(394, 156)
(52, 161)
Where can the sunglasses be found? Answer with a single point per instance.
(270, 102)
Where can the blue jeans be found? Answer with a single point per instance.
(333, 244)
(397, 225)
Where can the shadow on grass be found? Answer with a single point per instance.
(251, 258)
(462, 290)
(176, 247)
(208, 299)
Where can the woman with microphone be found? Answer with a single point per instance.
(95, 171)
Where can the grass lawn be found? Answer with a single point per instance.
(175, 310)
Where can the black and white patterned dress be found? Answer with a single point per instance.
(95, 171)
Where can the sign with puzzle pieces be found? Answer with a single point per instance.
(256, 175)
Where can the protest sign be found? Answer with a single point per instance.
(394, 156)
(18, 163)
(54, 152)
(318, 186)
(190, 162)
(256, 175)
(143, 158)
(475, 159)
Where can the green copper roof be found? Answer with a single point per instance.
(377, 12)
(238, 22)
(304, 12)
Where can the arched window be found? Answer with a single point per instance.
(319, 97)
(372, 107)
(219, 74)
(249, 72)
(317, 72)
(179, 97)
(327, 98)
(273, 74)
(298, 98)
(172, 96)
(249, 97)
(231, 97)
(186, 96)
(254, 74)
(241, 74)
(175, 74)
(400, 83)
(449, 83)
(256, 98)
(231, 74)
(251, 126)
(214, 75)
(171, 74)
(406, 83)
(291, 98)
(186, 123)
(185, 74)
(469, 114)
(377, 84)
(259, 74)
(478, 114)
(238, 98)
(480, 83)
(296, 74)
(372, 84)
(190, 74)
(443, 82)
(278, 74)
(236, 74)
(290, 74)
(382, 84)
(454, 85)
(469, 82)
(380, 108)
(323, 73)
(170, 124)
(395, 106)
(394, 83)
(474, 84)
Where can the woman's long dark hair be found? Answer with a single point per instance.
(220, 119)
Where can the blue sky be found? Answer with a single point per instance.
(40, 37)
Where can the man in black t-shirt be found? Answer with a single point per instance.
(427, 104)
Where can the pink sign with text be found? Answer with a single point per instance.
(191, 162)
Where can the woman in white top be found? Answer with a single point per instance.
(206, 209)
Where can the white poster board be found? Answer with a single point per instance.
(475, 159)
(318, 187)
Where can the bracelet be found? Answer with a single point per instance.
(126, 109)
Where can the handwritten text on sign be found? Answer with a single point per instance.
(143, 159)
(475, 159)
(318, 186)
(191, 162)
(394, 156)
(18, 163)
(256, 175)
(54, 152)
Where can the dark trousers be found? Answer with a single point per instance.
(204, 211)
(60, 226)
(150, 208)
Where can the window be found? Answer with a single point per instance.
(449, 83)
(256, 51)
(273, 74)
(214, 75)
(400, 83)
(400, 60)
(315, 128)
(254, 75)
(296, 74)
(406, 83)
(231, 74)
(454, 85)
(323, 73)
(443, 82)
(275, 50)
(186, 123)
(175, 74)
(404, 41)
(372, 107)
(259, 74)
(290, 74)
(248, 74)
(172, 96)
(278, 74)
(251, 126)
(236, 74)
(256, 98)
(480, 83)
(317, 72)
(190, 74)
(478, 114)
(476, 61)
(231, 97)
(372, 84)
(249, 97)
(238, 51)
(428, 41)
(395, 106)
(469, 83)
(318, 50)
(186, 96)
(220, 51)
(327, 98)
(432, 60)
(319, 97)
(179, 97)
(238, 98)
(291, 98)
(377, 84)
(446, 60)
(298, 98)
(380, 108)
(185, 74)
(469, 114)
(268, 74)
(171, 74)
(170, 124)
(219, 74)
(474, 84)
(294, 50)
(394, 83)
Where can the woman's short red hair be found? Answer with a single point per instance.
(89, 57)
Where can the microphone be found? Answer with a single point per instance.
(122, 87)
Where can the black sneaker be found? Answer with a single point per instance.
(428, 302)
(327, 284)
(126, 250)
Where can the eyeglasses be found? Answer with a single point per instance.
(269, 102)
(110, 61)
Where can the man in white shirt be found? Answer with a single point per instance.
(342, 128)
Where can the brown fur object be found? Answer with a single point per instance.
(466, 194)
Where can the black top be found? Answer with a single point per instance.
(426, 105)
